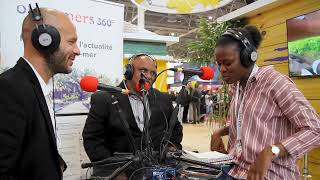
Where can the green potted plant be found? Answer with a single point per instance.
(201, 52)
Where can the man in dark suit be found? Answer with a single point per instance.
(103, 133)
(27, 126)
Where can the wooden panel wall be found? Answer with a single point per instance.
(273, 51)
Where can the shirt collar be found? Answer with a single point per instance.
(46, 88)
(138, 97)
(261, 71)
(253, 74)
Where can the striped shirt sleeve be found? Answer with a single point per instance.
(301, 114)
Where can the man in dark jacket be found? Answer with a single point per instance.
(27, 126)
(104, 133)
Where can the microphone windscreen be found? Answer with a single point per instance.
(207, 74)
(89, 83)
(146, 86)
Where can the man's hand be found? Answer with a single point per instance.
(259, 168)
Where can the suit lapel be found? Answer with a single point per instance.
(152, 104)
(126, 107)
(39, 94)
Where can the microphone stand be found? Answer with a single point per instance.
(127, 158)
(174, 115)
(136, 157)
(124, 123)
(146, 115)
(144, 158)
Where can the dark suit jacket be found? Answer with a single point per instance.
(103, 133)
(28, 145)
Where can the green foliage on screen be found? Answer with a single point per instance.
(309, 47)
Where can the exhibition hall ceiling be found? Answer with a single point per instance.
(183, 26)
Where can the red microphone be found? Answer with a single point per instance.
(91, 84)
(208, 73)
(138, 87)
(205, 73)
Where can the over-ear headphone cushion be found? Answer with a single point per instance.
(248, 54)
(45, 38)
(128, 71)
(248, 57)
(244, 57)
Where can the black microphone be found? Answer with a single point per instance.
(113, 89)
(205, 73)
(142, 82)
(91, 84)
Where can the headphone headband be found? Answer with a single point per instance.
(36, 16)
(142, 54)
(129, 69)
(239, 36)
(250, 52)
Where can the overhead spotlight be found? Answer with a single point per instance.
(172, 34)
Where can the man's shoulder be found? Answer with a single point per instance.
(161, 95)
(14, 77)
(15, 84)
(100, 94)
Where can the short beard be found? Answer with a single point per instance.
(55, 62)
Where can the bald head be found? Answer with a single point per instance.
(60, 58)
(51, 17)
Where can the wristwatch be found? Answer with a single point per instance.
(275, 150)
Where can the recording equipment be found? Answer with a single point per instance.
(205, 73)
(162, 173)
(147, 159)
(91, 84)
(249, 54)
(45, 38)
(109, 160)
(129, 69)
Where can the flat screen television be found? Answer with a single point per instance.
(303, 34)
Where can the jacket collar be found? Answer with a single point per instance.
(39, 94)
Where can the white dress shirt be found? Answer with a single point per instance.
(137, 109)
(47, 89)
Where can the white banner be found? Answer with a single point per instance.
(100, 39)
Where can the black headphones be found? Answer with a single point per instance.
(249, 54)
(45, 38)
(129, 69)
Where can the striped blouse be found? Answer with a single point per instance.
(274, 111)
